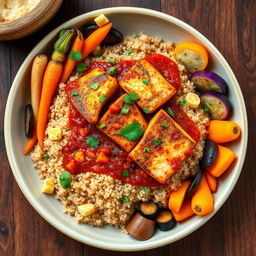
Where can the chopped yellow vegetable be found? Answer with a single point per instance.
(86, 209)
(192, 99)
(101, 20)
(48, 186)
(54, 133)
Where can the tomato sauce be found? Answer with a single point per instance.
(118, 165)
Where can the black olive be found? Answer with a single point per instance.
(29, 120)
(113, 37)
(194, 185)
(133, 165)
(210, 154)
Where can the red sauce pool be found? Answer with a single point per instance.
(118, 158)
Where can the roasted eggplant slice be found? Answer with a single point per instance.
(149, 210)
(194, 185)
(210, 154)
(29, 120)
(165, 220)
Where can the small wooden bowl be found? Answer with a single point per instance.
(30, 22)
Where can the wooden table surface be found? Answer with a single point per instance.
(230, 25)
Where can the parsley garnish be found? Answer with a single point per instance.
(146, 190)
(206, 109)
(75, 55)
(112, 61)
(164, 125)
(102, 126)
(93, 142)
(125, 199)
(81, 67)
(182, 102)
(170, 112)
(94, 86)
(131, 97)
(125, 173)
(146, 150)
(98, 54)
(65, 179)
(130, 51)
(102, 98)
(47, 157)
(145, 81)
(132, 131)
(74, 94)
(125, 110)
(112, 70)
(146, 110)
(157, 142)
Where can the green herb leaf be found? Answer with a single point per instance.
(132, 131)
(94, 86)
(102, 126)
(93, 142)
(81, 67)
(125, 199)
(206, 109)
(102, 98)
(145, 81)
(130, 51)
(146, 150)
(47, 157)
(65, 179)
(75, 55)
(125, 173)
(164, 125)
(146, 190)
(131, 97)
(98, 54)
(157, 142)
(182, 102)
(112, 70)
(125, 110)
(112, 61)
(74, 94)
(146, 110)
(170, 112)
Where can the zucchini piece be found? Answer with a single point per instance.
(165, 221)
(149, 210)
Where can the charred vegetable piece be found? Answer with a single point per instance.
(141, 227)
(218, 105)
(210, 154)
(209, 81)
(165, 221)
(29, 120)
(194, 185)
(114, 36)
(149, 210)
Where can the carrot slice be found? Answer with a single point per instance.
(184, 212)
(224, 159)
(94, 39)
(202, 202)
(212, 181)
(31, 142)
(177, 197)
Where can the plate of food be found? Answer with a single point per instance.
(126, 129)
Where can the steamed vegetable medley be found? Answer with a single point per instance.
(135, 136)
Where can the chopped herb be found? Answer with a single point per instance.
(145, 81)
(94, 86)
(102, 126)
(182, 102)
(146, 110)
(164, 125)
(112, 70)
(102, 98)
(146, 190)
(146, 150)
(125, 110)
(74, 94)
(93, 142)
(75, 55)
(132, 131)
(125, 173)
(125, 199)
(99, 53)
(112, 61)
(65, 179)
(157, 142)
(47, 157)
(81, 67)
(206, 109)
(170, 112)
(130, 51)
(131, 97)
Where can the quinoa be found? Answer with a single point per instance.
(102, 190)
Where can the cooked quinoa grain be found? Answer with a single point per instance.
(103, 191)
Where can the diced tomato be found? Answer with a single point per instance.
(84, 131)
(79, 156)
(72, 167)
(129, 159)
(106, 151)
(116, 126)
(114, 109)
(90, 154)
(102, 158)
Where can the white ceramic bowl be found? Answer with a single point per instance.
(129, 21)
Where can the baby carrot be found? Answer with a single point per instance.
(212, 181)
(71, 63)
(184, 212)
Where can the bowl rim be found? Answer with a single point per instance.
(9, 148)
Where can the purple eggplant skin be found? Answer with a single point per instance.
(218, 105)
(113, 37)
(194, 185)
(209, 81)
(210, 154)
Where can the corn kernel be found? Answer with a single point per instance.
(48, 186)
(54, 133)
(192, 99)
(86, 209)
(101, 20)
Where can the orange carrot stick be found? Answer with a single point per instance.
(94, 39)
(184, 212)
(212, 182)
(70, 63)
(202, 201)
(177, 197)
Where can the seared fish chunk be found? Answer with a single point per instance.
(151, 87)
(89, 93)
(163, 147)
(118, 116)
